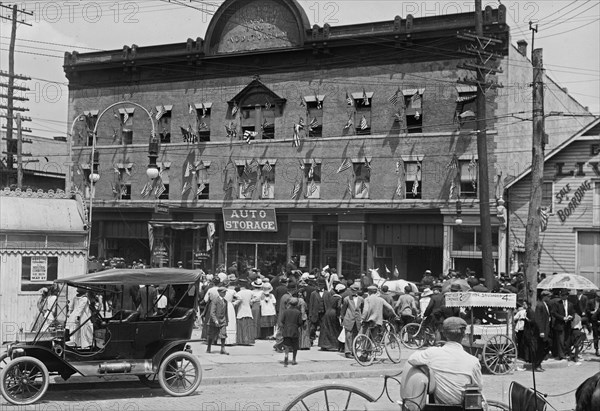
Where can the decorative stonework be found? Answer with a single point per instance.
(7, 192)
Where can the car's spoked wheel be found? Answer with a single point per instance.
(4, 360)
(24, 380)
(149, 380)
(180, 374)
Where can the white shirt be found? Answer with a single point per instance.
(453, 368)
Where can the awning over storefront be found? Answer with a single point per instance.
(181, 225)
(51, 215)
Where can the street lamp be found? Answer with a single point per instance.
(152, 170)
(459, 219)
(95, 174)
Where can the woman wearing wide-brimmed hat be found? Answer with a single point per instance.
(257, 294)
(268, 313)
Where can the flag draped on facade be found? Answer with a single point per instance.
(473, 172)
(363, 123)
(296, 137)
(349, 99)
(346, 164)
(544, 217)
(393, 100)
(295, 190)
(161, 112)
(365, 98)
(349, 123)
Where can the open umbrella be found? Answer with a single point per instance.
(569, 281)
(464, 285)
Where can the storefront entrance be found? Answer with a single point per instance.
(270, 259)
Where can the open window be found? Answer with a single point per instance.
(468, 178)
(161, 190)
(412, 175)
(466, 107)
(267, 174)
(202, 180)
(413, 102)
(312, 178)
(126, 115)
(90, 118)
(314, 115)
(203, 116)
(362, 115)
(247, 179)
(362, 179)
(547, 196)
(163, 118)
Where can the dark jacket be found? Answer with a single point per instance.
(291, 320)
(558, 314)
(542, 318)
(316, 308)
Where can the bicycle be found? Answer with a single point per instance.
(366, 347)
(417, 334)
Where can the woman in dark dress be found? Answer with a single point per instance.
(330, 323)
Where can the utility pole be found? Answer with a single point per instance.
(484, 53)
(10, 108)
(532, 231)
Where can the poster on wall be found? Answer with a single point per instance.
(39, 269)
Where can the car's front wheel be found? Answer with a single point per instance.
(180, 374)
(24, 380)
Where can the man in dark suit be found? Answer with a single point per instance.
(580, 303)
(350, 313)
(562, 315)
(542, 319)
(316, 308)
(218, 321)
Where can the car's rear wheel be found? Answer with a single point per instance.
(24, 380)
(180, 374)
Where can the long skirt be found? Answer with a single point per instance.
(231, 325)
(304, 340)
(256, 318)
(330, 330)
(267, 326)
(246, 331)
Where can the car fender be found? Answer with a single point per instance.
(171, 346)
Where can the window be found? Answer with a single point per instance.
(268, 181)
(161, 190)
(312, 175)
(468, 239)
(267, 127)
(362, 114)
(90, 118)
(314, 115)
(247, 179)
(596, 205)
(362, 179)
(126, 115)
(351, 259)
(37, 272)
(468, 179)
(203, 186)
(412, 173)
(125, 191)
(203, 191)
(164, 122)
(547, 196)
(413, 101)
(122, 188)
(466, 107)
(203, 115)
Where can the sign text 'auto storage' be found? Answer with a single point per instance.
(250, 219)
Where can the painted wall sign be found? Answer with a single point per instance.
(250, 219)
(576, 198)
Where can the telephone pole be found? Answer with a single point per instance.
(11, 148)
(483, 51)
(532, 230)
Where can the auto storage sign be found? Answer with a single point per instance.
(250, 219)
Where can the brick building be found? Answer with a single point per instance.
(339, 145)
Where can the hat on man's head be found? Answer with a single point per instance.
(454, 287)
(372, 288)
(257, 283)
(267, 287)
(43, 290)
(340, 287)
(546, 293)
(355, 286)
(426, 292)
(454, 324)
(427, 271)
(222, 289)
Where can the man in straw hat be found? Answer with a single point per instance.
(218, 321)
(449, 367)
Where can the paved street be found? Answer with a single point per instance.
(252, 378)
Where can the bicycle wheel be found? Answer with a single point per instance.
(497, 406)
(330, 397)
(389, 327)
(363, 349)
(392, 347)
(411, 337)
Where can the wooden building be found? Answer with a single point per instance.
(570, 235)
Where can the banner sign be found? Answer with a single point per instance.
(39, 268)
(250, 219)
(471, 299)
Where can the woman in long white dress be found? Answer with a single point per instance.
(79, 320)
(232, 320)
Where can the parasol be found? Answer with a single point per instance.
(464, 285)
(569, 281)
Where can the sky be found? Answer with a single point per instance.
(568, 31)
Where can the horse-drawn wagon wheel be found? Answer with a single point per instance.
(499, 354)
(180, 374)
(363, 349)
(330, 397)
(24, 380)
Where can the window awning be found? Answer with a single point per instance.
(199, 105)
(409, 92)
(41, 215)
(127, 110)
(90, 112)
(465, 88)
(178, 225)
(466, 98)
(167, 107)
(314, 97)
(359, 95)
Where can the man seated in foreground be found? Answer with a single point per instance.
(450, 367)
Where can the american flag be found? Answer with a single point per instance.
(264, 125)
(128, 171)
(125, 117)
(302, 102)
(312, 187)
(295, 190)
(473, 172)
(365, 98)
(400, 188)
(231, 130)
(544, 217)
(151, 111)
(296, 138)
(203, 111)
(161, 112)
(234, 109)
(267, 167)
(114, 189)
(394, 98)
(415, 187)
(249, 135)
(346, 164)
(248, 188)
(349, 99)
(349, 188)
(363, 186)
(453, 164)
(313, 167)
(319, 104)
(363, 123)
(160, 189)
(202, 125)
(185, 134)
(200, 189)
(349, 123)
(313, 123)
(452, 189)
(301, 122)
(191, 108)
(186, 187)
(146, 190)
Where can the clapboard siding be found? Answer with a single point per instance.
(559, 241)
(20, 308)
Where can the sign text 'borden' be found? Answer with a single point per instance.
(249, 219)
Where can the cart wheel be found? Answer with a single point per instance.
(24, 380)
(499, 354)
(4, 360)
(180, 374)
(497, 406)
(363, 349)
(330, 397)
(149, 380)
(410, 336)
(392, 347)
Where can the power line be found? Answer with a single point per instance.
(564, 15)
(568, 31)
(557, 11)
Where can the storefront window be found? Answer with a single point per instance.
(464, 238)
(351, 256)
(268, 258)
(271, 258)
(302, 250)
